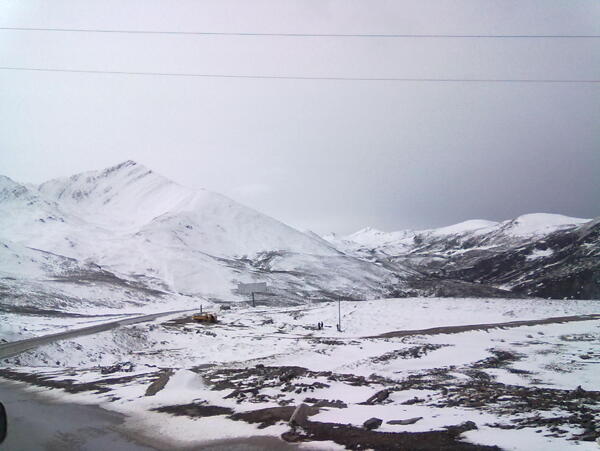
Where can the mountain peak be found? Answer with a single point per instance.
(128, 165)
(368, 231)
(10, 189)
(125, 195)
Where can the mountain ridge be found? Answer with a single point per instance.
(132, 232)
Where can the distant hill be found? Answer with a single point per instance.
(543, 255)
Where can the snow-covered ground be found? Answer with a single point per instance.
(250, 349)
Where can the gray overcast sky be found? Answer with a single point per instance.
(324, 155)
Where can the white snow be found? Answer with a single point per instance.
(539, 253)
(465, 226)
(287, 336)
(540, 224)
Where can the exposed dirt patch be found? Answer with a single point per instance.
(269, 416)
(159, 383)
(194, 410)
(335, 403)
(358, 438)
(499, 359)
(247, 383)
(414, 352)
(71, 385)
(102, 276)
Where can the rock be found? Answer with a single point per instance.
(159, 383)
(589, 437)
(372, 423)
(585, 356)
(291, 436)
(300, 415)
(405, 422)
(290, 373)
(463, 427)
(416, 400)
(378, 397)
(126, 367)
(338, 404)
(578, 392)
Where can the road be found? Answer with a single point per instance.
(38, 423)
(472, 327)
(16, 347)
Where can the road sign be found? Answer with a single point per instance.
(249, 288)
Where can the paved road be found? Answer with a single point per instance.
(16, 347)
(37, 423)
(471, 327)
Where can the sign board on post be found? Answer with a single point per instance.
(249, 288)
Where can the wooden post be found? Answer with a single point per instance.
(201, 309)
(253, 303)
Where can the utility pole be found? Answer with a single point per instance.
(253, 303)
(340, 313)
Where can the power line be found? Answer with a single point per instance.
(301, 77)
(308, 35)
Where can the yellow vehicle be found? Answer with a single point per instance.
(205, 318)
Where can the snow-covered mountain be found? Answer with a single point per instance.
(151, 233)
(129, 236)
(536, 254)
(524, 227)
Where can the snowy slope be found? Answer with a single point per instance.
(121, 198)
(141, 227)
(538, 224)
(473, 225)
(131, 199)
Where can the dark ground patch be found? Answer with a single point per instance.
(194, 410)
(414, 352)
(266, 417)
(358, 438)
(71, 385)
